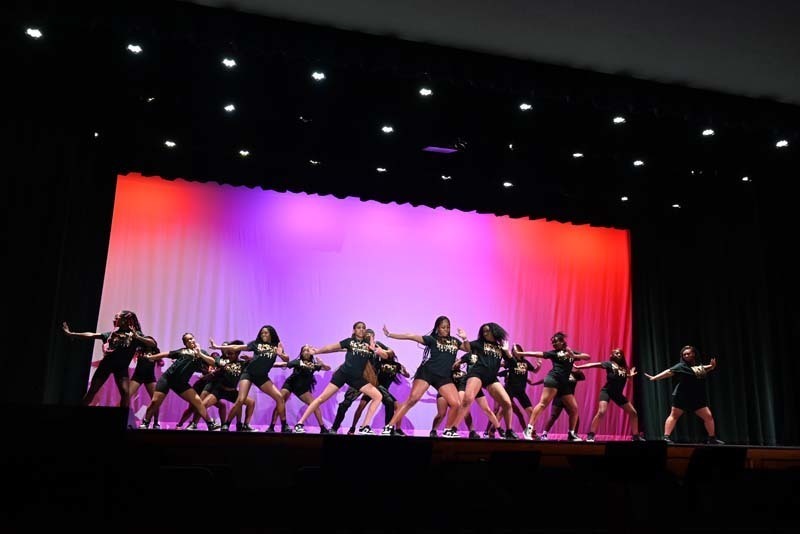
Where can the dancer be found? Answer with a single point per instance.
(516, 381)
(119, 346)
(617, 375)
(301, 382)
(459, 376)
(266, 348)
(144, 374)
(437, 362)
(557, 407)
(556, 380)
(222, 386)
(207, 374)
(358, 352)
(186, 361)
(690, 394)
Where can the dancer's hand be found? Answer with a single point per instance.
(386, 331)
(462, 334)
(632, 372)
(650, 377)
(713, 363)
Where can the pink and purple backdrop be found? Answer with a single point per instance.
(220, 261)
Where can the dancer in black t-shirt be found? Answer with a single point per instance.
(186, 361)
(437, 362)
(144, 374)
(557, 406)
(222, 386)
(617, 375)
(359, 349)
(301, 382)
(690, 394)
(266, 348)
(119, 346)
(557, 381)
(516, 382)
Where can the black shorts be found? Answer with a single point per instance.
(221, 393)
(616, 396)
(258, 379)
(113, 366)
(486, 376)
(461, 385)
(689, 403)
(164, 384)
(551, 381)
(520, 395)
(297, 385)
(340, 378)
(144, 376)
(434, 380)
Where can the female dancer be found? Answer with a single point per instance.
(228, 371)
(351, 373)
(301, 382)
(557, 380)
(490, 352)
(557, 408)
(617, 375)
(186, 361)
(437, 362)
(516, 381)
(690, 394)
(459, 376)
(145, 375)
(265, 348)
(119, 346)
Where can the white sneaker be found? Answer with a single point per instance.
(543, 436)
(450, 433)
(366, 430)
(572, 436)
(298, 429)
(528, 433)
(388, 430)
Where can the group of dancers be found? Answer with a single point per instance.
(459, 370)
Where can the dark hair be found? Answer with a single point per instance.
(691, 347)
(273, 335)
(497, 331)
(434, 333)
(558, 336)
(142, 350)
(132, 320)
(621, 360)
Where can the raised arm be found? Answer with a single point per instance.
(579, 355)
(464, 340)
(660, 376)
(517, 349)
(333, 347)
(281, 353)
(410, 337)
(87, 335)
(214, 346)
(322, 365)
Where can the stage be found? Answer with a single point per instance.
(92, 467)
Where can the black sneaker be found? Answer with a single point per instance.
(212, 426)
(450, 433)
(638, 437)
(388, 430)
(474, 435)
(510, 434)
(399, 432)
(366, 430)
(501, 433)
(434, 434)
(667, 440)
(270, 428)
(489, 434)
(298, 429)
(590, 437)
(225, 427)
(712, 440)
(156, 426)
(324, 430)
(573, 436)
(245, 428)
(285, 429)
(144, 424)
(192, 426)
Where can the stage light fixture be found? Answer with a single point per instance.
(708, 132)
(676, 206)
(783, 143)
(244, 153)
(624, 199)
(134, 48)
(230, 108)
(34, 32)
(525, 106)
(577, 155)
(446, 177)
(387, 129)
(228, 62)
(313, 162)
(745, 178)
(318, 76)
(380, 169)
(507, 184)
(150, 99)
(638, 163)
(169, 143)
(425, 92)
(619, 119)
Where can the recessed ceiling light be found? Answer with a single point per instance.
(507, 184)
(318, 76)
(34, 32)
(782, 143)
(638, 163)
(170, 144)
(134, 48)
(387, 129)
(525, 106)
(229, 62)
(244, 153)
(425, 92)
(619, 120)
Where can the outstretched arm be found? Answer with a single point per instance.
(333, 347)
(579, 355)
(660, 376)
(410, 337)
(230, 347)
(88, 335)
(154, 357)
(588, 365)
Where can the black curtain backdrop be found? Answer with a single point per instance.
(724, 281)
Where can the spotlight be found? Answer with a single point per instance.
(507, 184)
(511, 146)
(525, 106)
(708, 132)
(446, 177)
(380, 169)
(638, 163)
(134, 48)
(318, 76)
(96, 135)
(169, 144)
(230, 108)
(150, 98)
(228, 62)
(387, 129)
(624, 199)
(619, 120)
(34, 32)
(782, 143)
(425, 92)
(676, 206)
(577, 155)
(244, 153)
(745, 178)
(313, 162)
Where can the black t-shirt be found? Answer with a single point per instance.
(228, 372)
(691, 380)
(562, 363)
(185, 365)
(489, 355)
(303, 372)
(357, 355)
(442, 354)
(387, 371)
(517, 373)
(616, 376)
(120, 346)
(264, 355)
